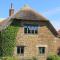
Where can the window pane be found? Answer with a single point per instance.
(41, 50)
(36, 28)
(29, 31)
(18, 50)
(22, 50)
(25, 30)
(32, 32)
(31, 28)
(36, 31)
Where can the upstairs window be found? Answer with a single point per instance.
(20, 49)
(41, 50)
(30, 29)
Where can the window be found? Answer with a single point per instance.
(58, 51)
(20, 49)
(30, 29)
(41, 50)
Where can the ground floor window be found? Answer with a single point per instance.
(58, 51)
(20, 49)
(41, 50)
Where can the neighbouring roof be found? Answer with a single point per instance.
(59, 33)
(26, 13)
(1, 19)
(5, 23)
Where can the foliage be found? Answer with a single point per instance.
(8, 37)
(34, 58)
(0, 45)
(53, 57)
(15, 58)
(9, 58)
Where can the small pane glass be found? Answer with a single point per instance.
(41, 50)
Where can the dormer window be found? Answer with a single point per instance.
(30, 29)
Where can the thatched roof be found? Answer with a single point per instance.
(27, 13)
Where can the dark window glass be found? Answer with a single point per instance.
(32, 31)
(41, 50)
(36, 31)
(20, 49)
(25, 30)
(29, 31)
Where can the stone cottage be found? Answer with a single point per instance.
(36, 36)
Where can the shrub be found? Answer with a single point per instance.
(34, 58)
(8, 58)
(53, 57)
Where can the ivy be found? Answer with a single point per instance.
(8, 37)
(0, 44)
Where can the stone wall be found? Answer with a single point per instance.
(31, 42)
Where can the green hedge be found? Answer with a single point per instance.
(8, 39)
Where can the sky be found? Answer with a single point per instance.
(48, 8)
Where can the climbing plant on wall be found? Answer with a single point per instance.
(0, 44)
(8, 37)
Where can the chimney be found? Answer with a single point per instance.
(11, 10)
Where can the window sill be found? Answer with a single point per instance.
(42, 54)
(20, 54)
